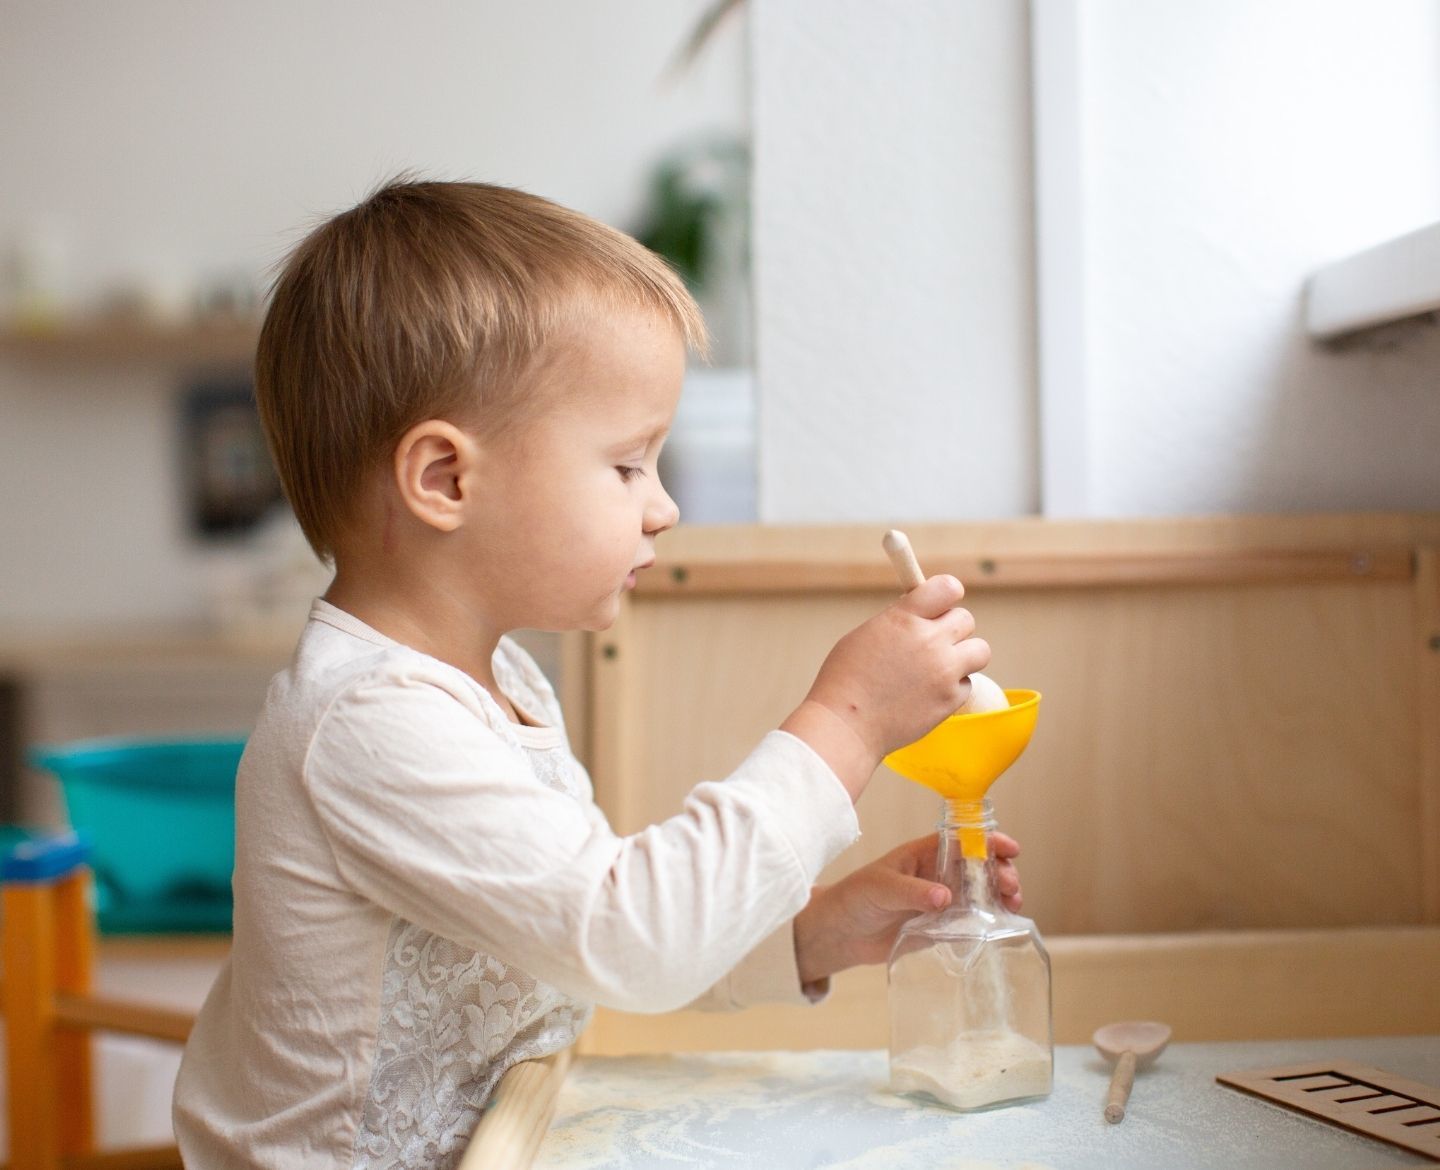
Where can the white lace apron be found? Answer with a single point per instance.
(453, 1020)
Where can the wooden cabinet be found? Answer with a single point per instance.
(1240, 729)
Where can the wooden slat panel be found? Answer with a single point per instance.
(935, 541)
(142, 1158)
(1215, 758)
(1250, 759)
(1427, 650)
(574, 688)
(983, 572)
(205, 949)
(1239, 731)
(74, 968)
(1209, 986)
(33, 1105)
(96, 1013)
(612, 715)
(1252, 985)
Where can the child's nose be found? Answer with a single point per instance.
(661, 512)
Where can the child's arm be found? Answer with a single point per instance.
(429, 815)
(855, 921)
(890, 680)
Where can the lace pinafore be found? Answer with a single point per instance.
(453, 1020)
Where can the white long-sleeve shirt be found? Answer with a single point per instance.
(426, 893)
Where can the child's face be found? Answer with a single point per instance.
(571, 500)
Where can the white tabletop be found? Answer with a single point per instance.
(784, 1110)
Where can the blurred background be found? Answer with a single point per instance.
(964, 260)
(157, 160)
(161, 158)
(867, 187)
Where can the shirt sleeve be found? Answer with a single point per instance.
(768, 974)
(431, 815)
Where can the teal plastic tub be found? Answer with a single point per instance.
(160, 817)
(10, 836)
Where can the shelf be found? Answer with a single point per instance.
(1386, 283)
(228, 341)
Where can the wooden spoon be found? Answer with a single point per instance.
(1130, 1045)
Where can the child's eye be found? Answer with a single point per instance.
(629, 473)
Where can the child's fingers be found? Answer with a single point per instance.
(897, 891)
(1007, 883)
(1005, 849)
(915, 858)
(927, 895)
(974, 655)
(935, 597)
(1003, 846)
(959, 623)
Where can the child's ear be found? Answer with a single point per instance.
(433, 461)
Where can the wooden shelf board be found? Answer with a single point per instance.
(227, 340)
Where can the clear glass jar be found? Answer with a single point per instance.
(970, 1016)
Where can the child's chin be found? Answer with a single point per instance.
(603, 620)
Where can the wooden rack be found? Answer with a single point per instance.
(1237, 759)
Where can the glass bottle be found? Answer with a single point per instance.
(970, 1015)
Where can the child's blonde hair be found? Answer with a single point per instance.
(429, 300)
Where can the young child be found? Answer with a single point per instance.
(465, 389)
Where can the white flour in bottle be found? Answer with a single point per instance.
(974, 1070)
(983, 1065)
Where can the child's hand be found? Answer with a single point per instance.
(889, 681)
(856, 920)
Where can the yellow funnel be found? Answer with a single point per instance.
(961, 757)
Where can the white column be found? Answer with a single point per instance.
(893, 260)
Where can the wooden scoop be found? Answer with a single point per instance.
(1130, 1045)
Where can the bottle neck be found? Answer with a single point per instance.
(964, 863)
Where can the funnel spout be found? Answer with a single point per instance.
(968, 823)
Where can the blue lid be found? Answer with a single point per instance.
(43, 858)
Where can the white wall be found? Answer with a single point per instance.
(158, 140)
(893, 271)
(1226, 150)
(1230, 148)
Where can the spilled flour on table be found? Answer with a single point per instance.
(832, 1110)
(790, 1110)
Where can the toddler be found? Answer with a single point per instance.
(465, 390)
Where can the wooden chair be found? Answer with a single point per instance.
(48, 964)
(49, 1010)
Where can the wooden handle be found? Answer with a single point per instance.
(902, 556)
(134, 1019)
(1120, 1081)
(520, 1112)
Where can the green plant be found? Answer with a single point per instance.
(695, 192)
